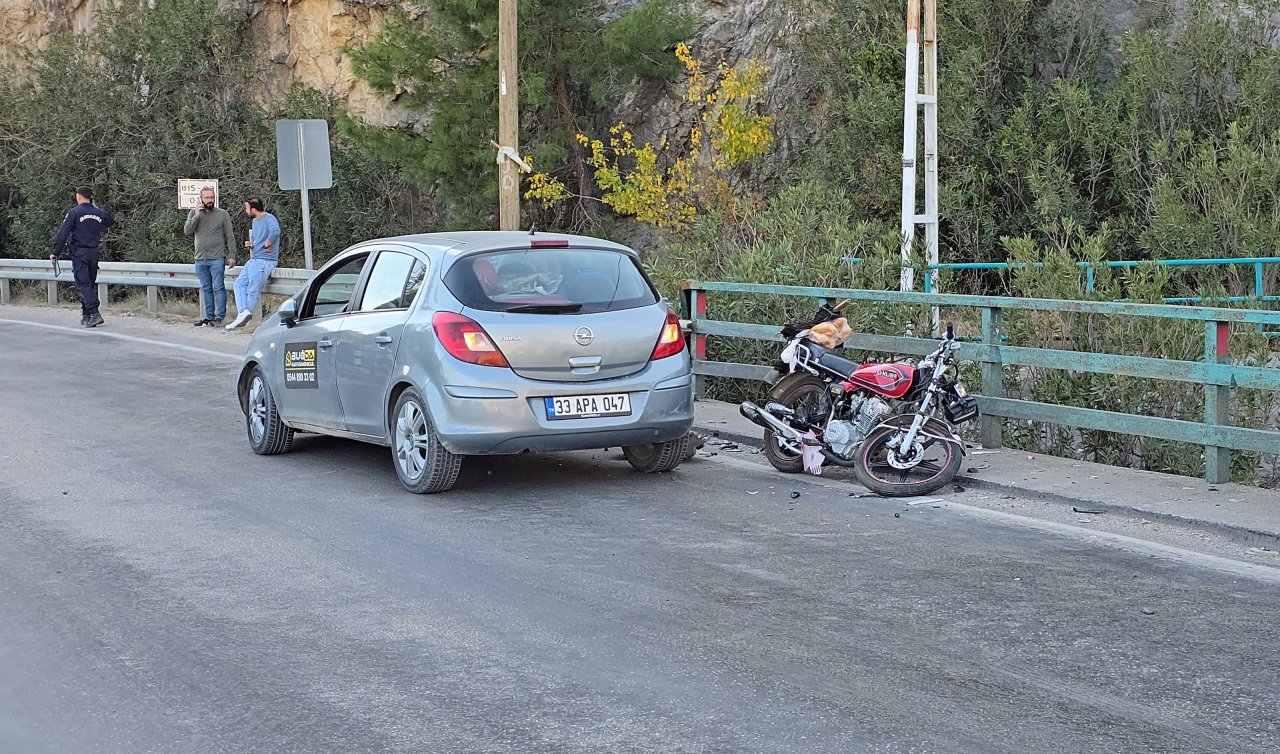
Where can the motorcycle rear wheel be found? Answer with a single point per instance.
(806, 391)
(873, 470)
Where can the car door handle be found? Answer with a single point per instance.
(325, 343)
(382, 339)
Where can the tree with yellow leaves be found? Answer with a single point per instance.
(667, 186)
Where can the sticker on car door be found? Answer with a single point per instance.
(300, 365)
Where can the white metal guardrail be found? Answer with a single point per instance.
(284, 281)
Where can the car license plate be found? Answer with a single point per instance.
(588, 406)
(961, 390)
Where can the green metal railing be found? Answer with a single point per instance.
(1215, 372)
(1259, 265)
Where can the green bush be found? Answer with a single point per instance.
(1166, 137)
(158, 92)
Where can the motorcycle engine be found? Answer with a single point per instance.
(840, 436)
(872, 412)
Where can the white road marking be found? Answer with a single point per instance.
(120, 336)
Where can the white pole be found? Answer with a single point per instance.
(931, 147)
(909, 114)
(306, 202)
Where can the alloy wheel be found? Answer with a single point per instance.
(412, 440)
(257, 409)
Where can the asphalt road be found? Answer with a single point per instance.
(162, 589)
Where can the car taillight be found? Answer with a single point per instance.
(671, 341)
(467, 341)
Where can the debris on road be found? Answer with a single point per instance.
(1085, 510)
(696, 443)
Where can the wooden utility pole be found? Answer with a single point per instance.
(508, 118)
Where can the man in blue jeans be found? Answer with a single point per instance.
(264, 254)
(215, 249)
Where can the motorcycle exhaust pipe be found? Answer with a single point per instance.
(837, 460)
(751, 411)
(764, 418)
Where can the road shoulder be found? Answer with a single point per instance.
(1249, 515)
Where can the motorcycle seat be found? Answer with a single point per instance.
(831, 361)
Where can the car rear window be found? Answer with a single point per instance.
(550, 281)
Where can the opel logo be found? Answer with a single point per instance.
(584, 336)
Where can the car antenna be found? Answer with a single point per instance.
(533, 229)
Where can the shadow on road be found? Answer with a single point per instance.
(517, 474)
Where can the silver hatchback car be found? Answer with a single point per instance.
(445, 345)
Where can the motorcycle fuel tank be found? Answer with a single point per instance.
(889, 380)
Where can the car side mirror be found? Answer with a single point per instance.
(289, 313)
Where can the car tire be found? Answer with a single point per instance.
(422, 463)
(658, 456)
(268, 434)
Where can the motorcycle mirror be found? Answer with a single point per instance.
(951, 332)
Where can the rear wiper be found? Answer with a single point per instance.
(545, 309)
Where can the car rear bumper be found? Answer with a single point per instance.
(497, 426)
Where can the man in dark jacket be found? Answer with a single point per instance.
(81, 237)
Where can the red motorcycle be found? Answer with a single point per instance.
(893, 424)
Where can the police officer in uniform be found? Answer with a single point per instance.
(80, 236)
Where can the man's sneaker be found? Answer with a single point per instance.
(215, 322)
(241, 320)
(204, 323)
(84, 319)
(94, 320)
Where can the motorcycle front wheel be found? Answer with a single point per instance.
(803, 392)
(930, 466)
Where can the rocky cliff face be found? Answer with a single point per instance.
(299, 41)
(28, 24)
(303, 40)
